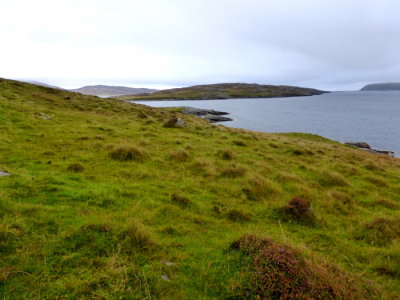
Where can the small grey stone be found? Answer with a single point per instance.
(2, 173)
(180, 122)
(165, 277)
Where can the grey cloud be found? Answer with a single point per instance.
(331, 43)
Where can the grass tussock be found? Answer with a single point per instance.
(299, 210)
(233, 172)
(179, 155)
(330, 179)
(226, 154)
(239, 143)
(237, 215)
(387, 203)
(76, 167)
(138, 236)
(381, 231)
(277, 271)
(180, 200)
(258, 188)
(128, 153)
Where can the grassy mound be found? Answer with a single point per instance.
(102, 200)
(276, 271)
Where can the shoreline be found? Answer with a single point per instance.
(214, 117)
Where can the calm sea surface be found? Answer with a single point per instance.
(372, 117)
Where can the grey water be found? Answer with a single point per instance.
(367, 116)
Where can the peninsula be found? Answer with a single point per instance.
(225, 91)
(391, 86)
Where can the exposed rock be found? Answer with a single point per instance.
(168, 263)
(165, 277)
(208, 114)
(175, 123)
(202, 112)
(361, 145)
(389, 153)
(3, 173)
(214, 119)
(364, 146)
(43, 116)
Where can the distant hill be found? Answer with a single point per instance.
(226, 91)
(111, 91)
(44, 84)
(391, 86)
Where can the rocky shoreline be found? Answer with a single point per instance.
(366, 147)
(209, 114)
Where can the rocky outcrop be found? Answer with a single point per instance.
(208, 114)
(366, 147)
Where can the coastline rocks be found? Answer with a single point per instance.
(361, 145)
(208, 114)
(364, 146)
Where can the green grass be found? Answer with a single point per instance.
(105, 202)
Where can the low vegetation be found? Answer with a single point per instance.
(102, 201)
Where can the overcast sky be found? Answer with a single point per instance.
(327, 44)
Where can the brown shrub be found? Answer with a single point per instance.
(387, 203)
(300, 210)
(128, 153)
(239, 143)
(276, 271)
(226, 154)
(238, 215)
(77, 167)
(180, 200)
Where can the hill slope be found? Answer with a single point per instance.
(393, 86)
(110, 91)
(104, 199)
(226, 91)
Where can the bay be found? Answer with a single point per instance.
(367, 116)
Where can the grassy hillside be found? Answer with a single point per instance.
(104, 201)
(226, 91)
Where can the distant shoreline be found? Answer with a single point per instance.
(241, 98)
